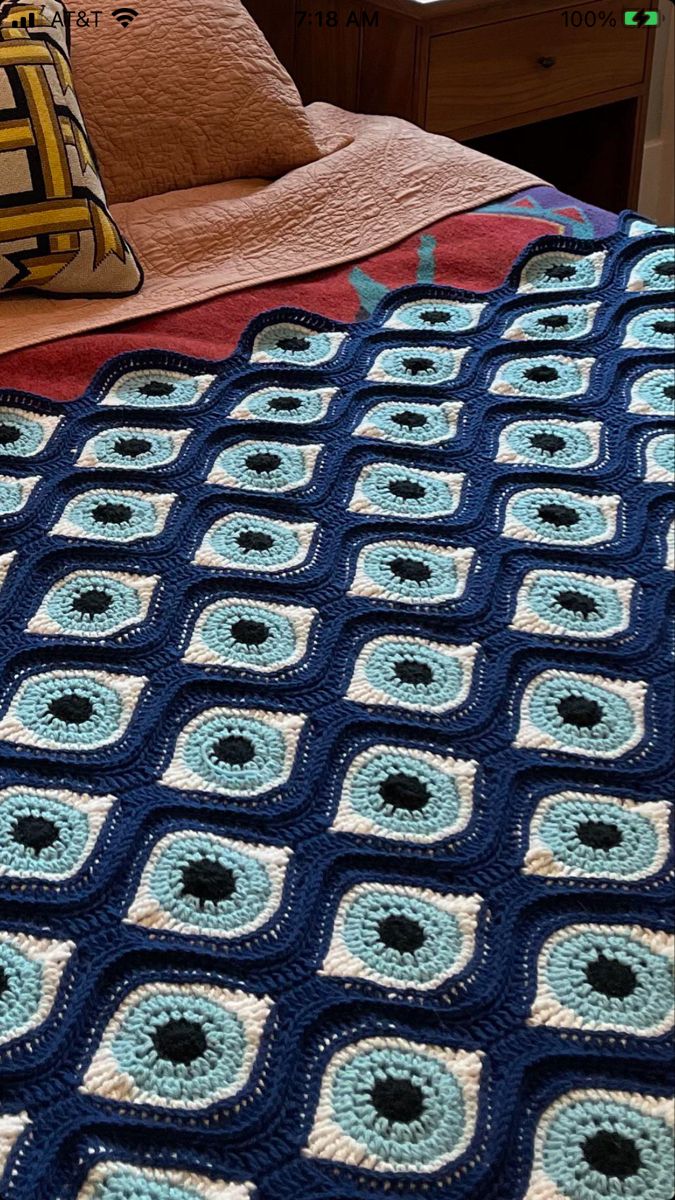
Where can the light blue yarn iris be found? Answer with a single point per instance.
(435, 427)
(641, 328)
(436, 956)
(577, 451)
(438, 813)
(219, 628)
(11, 496)
(455, 316)
(319, 348)
(125, 1184)
(225, 540)
(543, 595)
(142, 521)
(446, 673)
(580, 319)
(569, 380)
(634, 854)
(411, 1145)
(248, 900)
(652, 389)
(535, 273)
(162, 449)
(125, 604)
(442, 366)
(31, 434)
(183, 390)
(442, 581)
(662, 451)
(291, 470)
(65, 851)
(268, 751)
(436, 498)
(579, 1121)
(309, 409)
(33, 709)
(21, 995)
(591, 523)
(217, 1068)
(645, 268)
(614, 729)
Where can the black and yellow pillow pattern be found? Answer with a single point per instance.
(56, 233)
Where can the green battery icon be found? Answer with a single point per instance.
(640, 18)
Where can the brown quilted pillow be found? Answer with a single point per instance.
(187, 94)
(56, 234)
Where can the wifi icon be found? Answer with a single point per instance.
(124, 16)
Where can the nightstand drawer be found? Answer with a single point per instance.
(496, 71)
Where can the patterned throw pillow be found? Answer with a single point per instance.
(56, 233)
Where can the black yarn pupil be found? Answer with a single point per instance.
(580, 711)
(111, 514)
(664, 326)
(263, 462)
(416, 366)
(669, 391)
(207, 879)
(409, 420)
(410, 570)
(35, 833)
(397, 1100)
(250, 539)
(180, 1041)
(405, 791)
(156, 388)
(407, 489)
(285, 403)
(250, 633)
(550, 443)
(71, 708)
(234, 750)
(434, 317)
(612, 1154)
(4, 981)
(416, 673)
(611, 977)
(577, 602)
(9, 434)
(401, 933)
(599, 835)
(665, 268)
(556, 321)
(561, 272)
(293, 344)
(559, 515)
(541, 374)
(92, 603)
(132, 447)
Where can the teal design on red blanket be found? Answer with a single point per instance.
(336, 752)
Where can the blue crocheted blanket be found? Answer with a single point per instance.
(334, 737)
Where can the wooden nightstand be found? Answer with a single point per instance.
(558, 88)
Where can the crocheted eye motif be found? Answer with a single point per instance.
(558, 516)
(391, 1105)
(132, 448)
(265, 466)
(94, 604)
(652, 329)
(582, 714)
(284, 406)
(401, 794)
(114, 515)
(654, 393)
(407, 672)
(197, 883)
(546, 377)
(559, 323)
(157, 389)
(122, 1181)
(402, 937)
(660, 459)
(394, 489)
(409, 423)
(419, 365)
(71, 710)
(447, 316)
(247, 542)
(560, 270)
(560, 445)
(653, 272)
(48, 834)
(235, 752)
(15, 491)
(250, 635)
(31, 970)
(606, 978)
(592, 1143)
(593, 836)
(411, 572)
(24, 434)
(296, 344)
(572, 604)
(178, 1045)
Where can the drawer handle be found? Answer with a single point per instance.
(547, 61)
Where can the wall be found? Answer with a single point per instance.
(658, 172)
